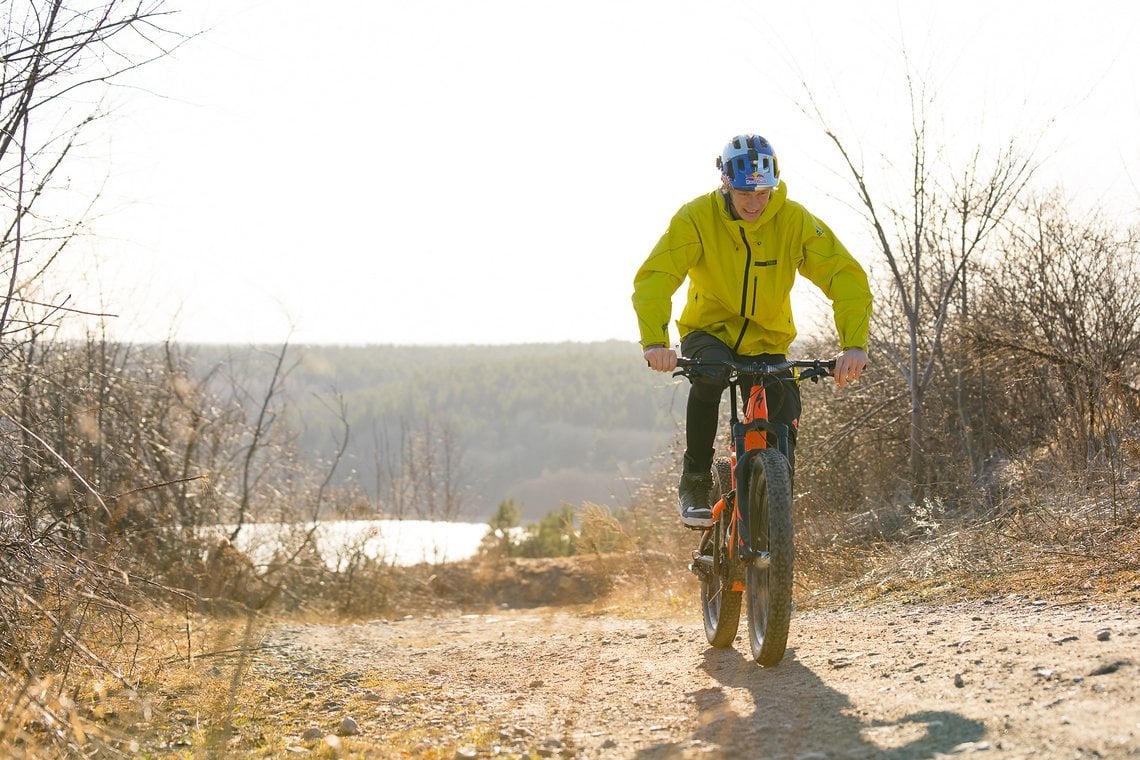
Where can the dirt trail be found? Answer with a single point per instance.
(1011, 677)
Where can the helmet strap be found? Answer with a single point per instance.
(728, 202)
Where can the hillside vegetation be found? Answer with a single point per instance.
(541, 425)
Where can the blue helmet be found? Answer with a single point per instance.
(749, 163)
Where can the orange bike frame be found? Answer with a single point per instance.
(753, 438)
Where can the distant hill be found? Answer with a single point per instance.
(542, 424)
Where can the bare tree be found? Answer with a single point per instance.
(258, 445)
(426, 477)
(928, 240)
(52, 53)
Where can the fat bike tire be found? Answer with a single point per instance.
(768, 589)
(720, 601)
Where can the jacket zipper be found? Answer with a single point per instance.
(744, 290)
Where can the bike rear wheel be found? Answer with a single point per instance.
(768, 585)
(720, 599)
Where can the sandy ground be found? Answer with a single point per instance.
(1009, 677)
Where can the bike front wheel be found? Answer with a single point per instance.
(720, 597)
(768, 582)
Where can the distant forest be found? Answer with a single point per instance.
(542, 424)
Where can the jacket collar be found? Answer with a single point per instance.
(775, 203)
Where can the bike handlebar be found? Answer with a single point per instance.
(812, 369)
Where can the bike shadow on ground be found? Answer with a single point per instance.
(794, 714)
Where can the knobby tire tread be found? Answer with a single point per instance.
(720, 606)
(770, 494)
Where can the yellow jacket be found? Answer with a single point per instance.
(741, 274)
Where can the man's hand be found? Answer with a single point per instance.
(661, 358)
(849, 364)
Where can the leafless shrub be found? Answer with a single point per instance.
(1059, 331)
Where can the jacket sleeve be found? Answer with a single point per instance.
(829, 265)
(660, 276)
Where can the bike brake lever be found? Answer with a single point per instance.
(814, 374)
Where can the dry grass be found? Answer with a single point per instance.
(994, 559)
(1049, 551)
(220, 703)
(96, 704)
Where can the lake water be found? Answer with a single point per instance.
(395, 542)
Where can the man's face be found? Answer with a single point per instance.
(749, 204)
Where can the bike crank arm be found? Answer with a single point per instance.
(702, 567)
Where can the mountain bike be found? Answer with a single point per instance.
(749, 549)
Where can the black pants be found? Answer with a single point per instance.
(702, 416)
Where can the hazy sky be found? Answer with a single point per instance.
(447, 171)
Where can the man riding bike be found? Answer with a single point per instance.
(741, 247)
